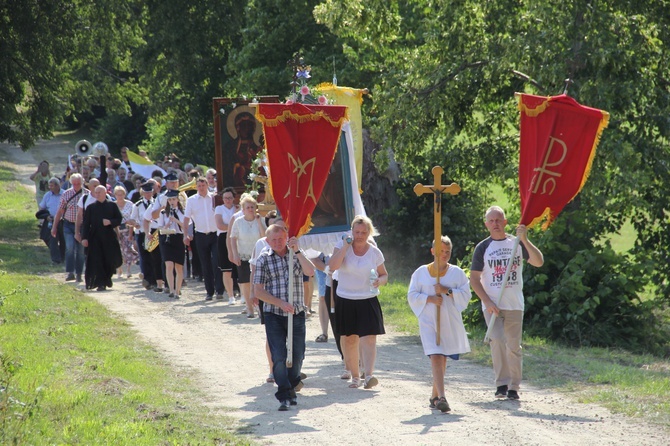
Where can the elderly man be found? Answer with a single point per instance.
(51, 202)
(98, 235)
(489, 261)
(67, 211)
(271, 286)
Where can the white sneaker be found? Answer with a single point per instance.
(231, 301)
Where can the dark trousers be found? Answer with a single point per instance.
(145, 260)
(157, 264)
(57, 246)
(331, 316)
(276, 330)
(206, 246)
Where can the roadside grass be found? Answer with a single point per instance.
(636, 385)
(72, 373)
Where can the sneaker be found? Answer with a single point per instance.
(501, 392)
(209, 297)
(78, 278)
(443, 405)
(513, 394)
(69, 278)
(370, 382)
(284, 405)
(231, 301)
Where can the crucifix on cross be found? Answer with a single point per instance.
(437, 189)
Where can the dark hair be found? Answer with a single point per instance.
(228, 189)
(269, 216)
(157, 173)
(168, 209)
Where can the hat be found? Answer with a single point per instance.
(172, 193)
(147, 187)
(171, 177)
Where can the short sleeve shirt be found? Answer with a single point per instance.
(491, 258)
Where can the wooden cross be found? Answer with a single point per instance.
(437, 189)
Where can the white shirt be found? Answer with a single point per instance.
(138, 214)
(354, 273)
(201, 210)
(226, 214)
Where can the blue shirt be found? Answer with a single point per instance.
(51, 202)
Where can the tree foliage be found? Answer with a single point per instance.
(442, 74)
(60, 57)
(448, 71)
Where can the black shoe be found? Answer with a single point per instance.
(501, 392)
(513, 395)
(432, 402)
(146, 284)
(293, 402)
(209, 297)
(78, 278)
(101, 288)
(219, 297)
(284, 405)
(69, 278)
(443, 405)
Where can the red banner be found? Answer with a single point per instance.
(301, 141)
(558, 142)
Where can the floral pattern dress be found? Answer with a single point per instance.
(127, 236)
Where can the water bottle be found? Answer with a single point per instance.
(373, 276)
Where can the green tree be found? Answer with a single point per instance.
(61, 57)
(448, 71)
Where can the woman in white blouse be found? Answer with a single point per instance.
(245, 232)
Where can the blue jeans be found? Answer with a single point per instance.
(276, 330)
(74, 251)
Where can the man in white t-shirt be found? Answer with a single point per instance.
(489, 263)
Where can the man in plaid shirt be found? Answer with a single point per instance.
(271, 286)
(67, 212)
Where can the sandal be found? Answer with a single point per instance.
(370, 382)
(433, 402)
(443, 405)
(346, 375)
(322, 338)
(270, 379)
(355, 383)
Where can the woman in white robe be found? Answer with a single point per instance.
(452, 295)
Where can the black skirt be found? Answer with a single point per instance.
(359, 317)
(172, 248)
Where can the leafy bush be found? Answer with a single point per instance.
(589, 297)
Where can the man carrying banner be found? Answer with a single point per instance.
(271, 279)
(489, 263)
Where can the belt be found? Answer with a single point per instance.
(205, 233)
(68, 221)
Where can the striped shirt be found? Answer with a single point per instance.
(272, 272)
(69, 204)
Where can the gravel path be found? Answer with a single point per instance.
(224, 351)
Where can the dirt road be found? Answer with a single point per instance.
(224, 352)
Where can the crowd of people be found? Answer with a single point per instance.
(100, 223)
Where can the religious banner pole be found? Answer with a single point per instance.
(437, 189)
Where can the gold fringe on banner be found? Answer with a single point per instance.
(312, 116)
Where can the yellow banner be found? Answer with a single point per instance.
(352, 98)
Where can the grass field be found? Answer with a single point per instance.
(71, 373)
